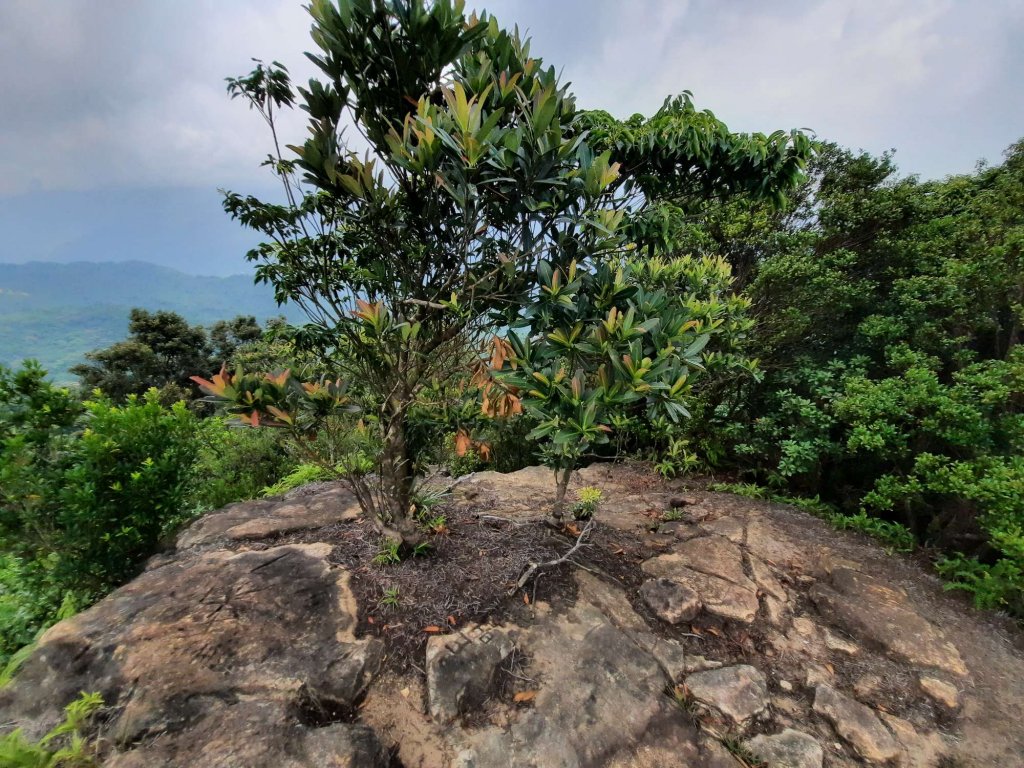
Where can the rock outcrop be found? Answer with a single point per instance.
(261, 640)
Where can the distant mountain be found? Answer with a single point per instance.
(55, 313)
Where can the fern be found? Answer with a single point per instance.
(77, 751)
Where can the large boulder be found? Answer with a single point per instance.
(263, 640)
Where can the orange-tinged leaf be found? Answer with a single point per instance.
(526, 598)
(462, 443)
(452, 621)
(524, 697)
(280, 379)
(433, 629)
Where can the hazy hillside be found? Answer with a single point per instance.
(56, 313)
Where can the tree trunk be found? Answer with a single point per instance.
(562, 475)
(396, 481)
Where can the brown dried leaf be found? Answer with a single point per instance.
(524, 697)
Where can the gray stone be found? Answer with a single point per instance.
(836, 643)
(266, 518)
(766, 581)
(600, 694)
(344, 745)
(856, 724)
(671, 602)
(265, 627)
(738, 692)
(677, 663)
(728, 527)
(461, 669)
(789, 749)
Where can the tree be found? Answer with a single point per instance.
(480, 181)
(163, 351)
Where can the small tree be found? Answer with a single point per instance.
(478, 179)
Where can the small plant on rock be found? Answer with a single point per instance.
(390, 599)
(587, 501)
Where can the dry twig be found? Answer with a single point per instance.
(531, 572)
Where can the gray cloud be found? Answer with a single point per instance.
(123, 93)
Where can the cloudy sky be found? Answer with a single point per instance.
(115, 131)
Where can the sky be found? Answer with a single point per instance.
(116, 132)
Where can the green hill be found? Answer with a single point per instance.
(55, 313)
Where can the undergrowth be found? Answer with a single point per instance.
(895, 537)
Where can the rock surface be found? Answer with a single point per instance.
(881, 615)
(739, 692)
(720, 597)
(856, 724)
(462, 667)
(670, 601)
(257, 643)
(789, 749)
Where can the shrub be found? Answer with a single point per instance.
(88, 490)
(234, 464)
(481, 181)
(301, 475)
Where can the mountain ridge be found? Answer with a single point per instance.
(55, 312)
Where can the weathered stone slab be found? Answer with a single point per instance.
(883, 616)
(670, 601)
(789, 749)
(856, 724)
(739, 692)
(462, 667)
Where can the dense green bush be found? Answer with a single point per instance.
(87, 491)
(889, 322)
(234, 463)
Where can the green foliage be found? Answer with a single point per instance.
(614, 350)
(301, 475)
(388, 554)
(481, 183)
(235, 464)
(87, 490)
(391, 598)
(890, 326)
(163, 351)
(66, 746)
(894, 536)
(587, 501)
